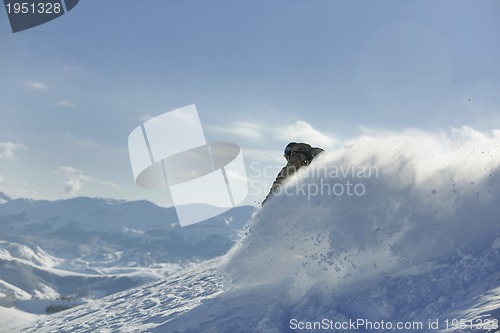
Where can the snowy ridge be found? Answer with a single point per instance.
(3, 198)
(419, 246)
(33, 255)
(22, 280)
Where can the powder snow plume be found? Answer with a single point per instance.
(414, 197)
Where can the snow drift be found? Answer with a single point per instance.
(416, 240)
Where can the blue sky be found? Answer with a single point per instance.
(260, 73)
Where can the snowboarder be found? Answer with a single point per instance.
(297, 156)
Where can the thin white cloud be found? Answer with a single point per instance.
(77, 140)
(243, 129)
(65, 104)
(145, 117)
(1, 178)
(302, 131)
(8, 149)
(35, 85)
(22, 192)
(263, 155)
(75, 179)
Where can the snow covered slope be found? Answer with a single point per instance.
(12, 319)
(416, 247)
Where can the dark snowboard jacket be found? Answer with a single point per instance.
(298, 159)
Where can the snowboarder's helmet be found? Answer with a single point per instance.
(288, 149)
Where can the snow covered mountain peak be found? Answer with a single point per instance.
(4, 198)
(34, 255)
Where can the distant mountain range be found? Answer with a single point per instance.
(84, 248)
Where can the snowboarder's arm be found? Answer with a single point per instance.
(293, 165)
